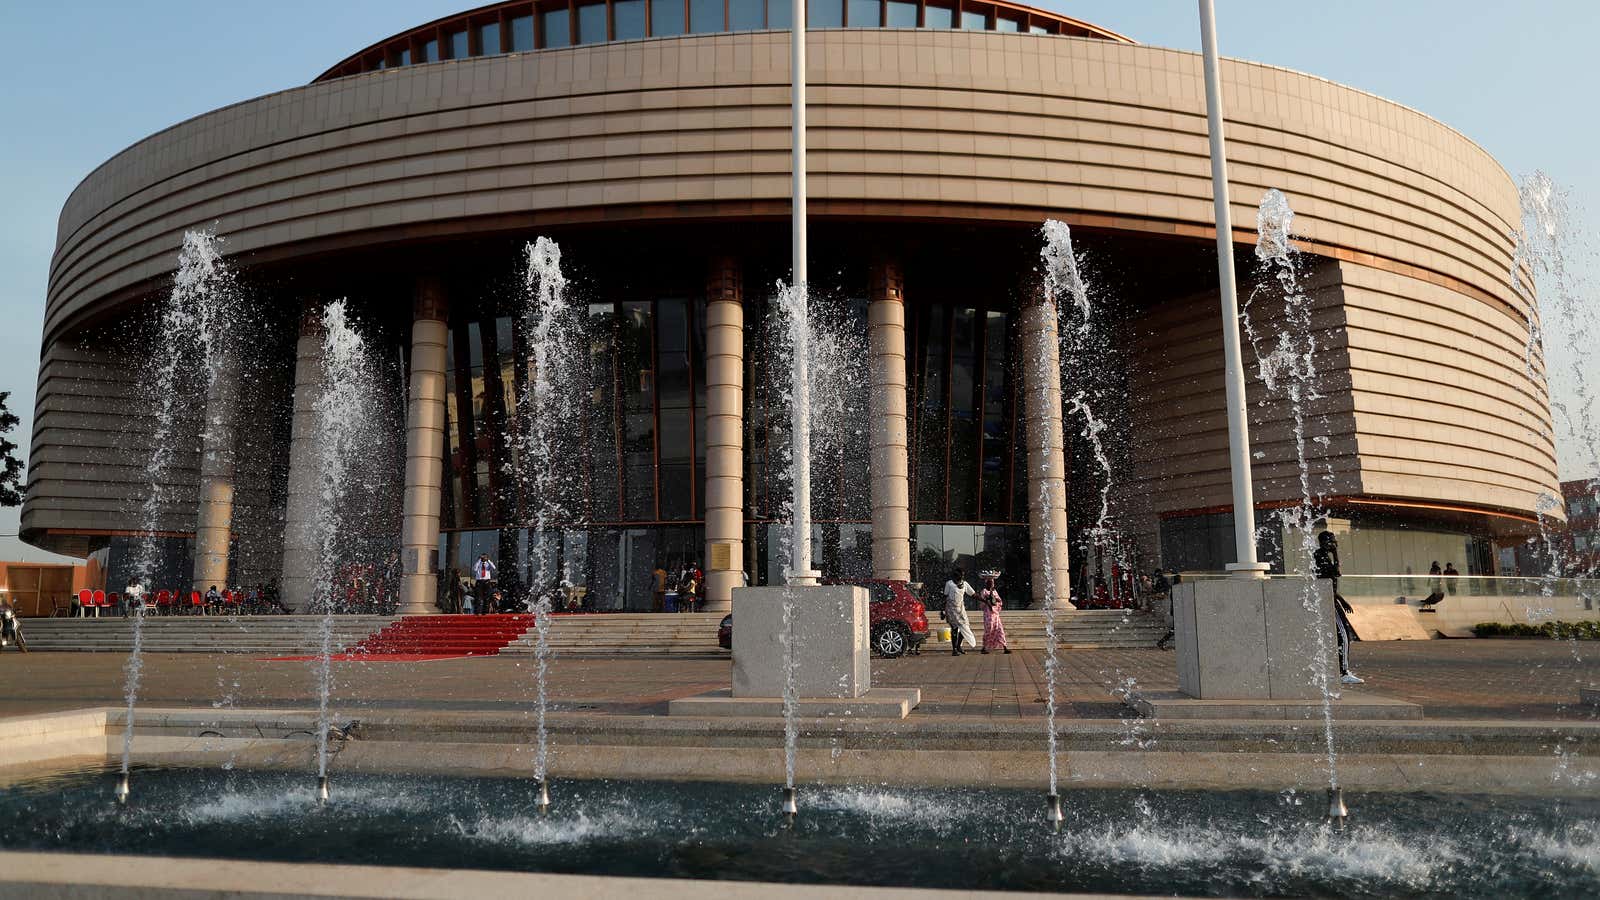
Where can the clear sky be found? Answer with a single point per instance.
(82, 80)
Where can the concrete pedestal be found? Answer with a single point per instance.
(832, 655)
(1254, 639)
(1250, 648)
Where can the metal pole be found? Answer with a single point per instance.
(800, 553)
(1244, 513)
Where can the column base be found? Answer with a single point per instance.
(419, 595)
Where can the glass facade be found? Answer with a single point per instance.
(865, 13)
(557, 27)
(642, 447)
(589, 23)
(902, 14)
(628, 19)
(592, 24)
(666, 18)
(747, 15)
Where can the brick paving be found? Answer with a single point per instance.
(1471, 679)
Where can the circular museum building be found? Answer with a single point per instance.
(651, 141)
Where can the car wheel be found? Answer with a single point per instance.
(891, 641)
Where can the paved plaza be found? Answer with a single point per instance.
(1515, 680)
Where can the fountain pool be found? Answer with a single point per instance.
(1237, 843)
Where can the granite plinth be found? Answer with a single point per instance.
(1254, 638)
(832, 654)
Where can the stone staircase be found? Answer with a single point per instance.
(1077, 629)
(695, 634)
(629, 634)
(285, 635)
(687, 635)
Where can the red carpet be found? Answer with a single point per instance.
(437, 636)
(422, 638)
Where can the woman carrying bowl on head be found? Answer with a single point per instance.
(994, 631)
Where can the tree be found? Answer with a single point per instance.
(10, 466)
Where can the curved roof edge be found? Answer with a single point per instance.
(367, 58)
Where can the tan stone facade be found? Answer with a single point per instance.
(1428, 398)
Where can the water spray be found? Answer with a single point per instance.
(1052, 811)
(322, 790)
(122, 790)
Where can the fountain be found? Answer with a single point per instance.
(1288, 369)
(345, 431)
(547, 413)
(191, 322)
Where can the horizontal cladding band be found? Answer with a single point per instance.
(715, 211)
(71, 249)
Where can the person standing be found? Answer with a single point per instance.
(994, 631)
(1450, 574)
(1161, 596)
(133, 602)
(483, 572)
(956, 592)
(1326, 559)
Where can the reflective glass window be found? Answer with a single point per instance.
(675, 413)
(964, 383)
(557, 27)
(1037, 29)
(938, 16)
(902, 14)
(666, 17)
(996, 472)
(974, 21)
(458, 44)
(591, 24)
(522, 33)
(430, 51)
(405, 57)
(864, 13)
(489, 38)
(779, 13)
(747, 15)
(601, 423)
(825, 13)
(931, 412)
(628, 19)
(1001, 23)
(705, 16)
(636, 368)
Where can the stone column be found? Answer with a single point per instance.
(213, 529)
(891, 504)
(300, 508)
(419, 528)
(1047, 459)
(724, 437)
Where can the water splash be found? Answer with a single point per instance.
(347, 428)
(190, 326)
(549, 414)
(1548, 272)
(1287, 366)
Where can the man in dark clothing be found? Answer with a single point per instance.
(1161, 590)
(1326, 559)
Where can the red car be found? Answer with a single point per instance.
(899, 621)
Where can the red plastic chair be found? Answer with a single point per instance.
(100, 602)
(230, 601)
(164, 602)
(197, 602)
(85, 602)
